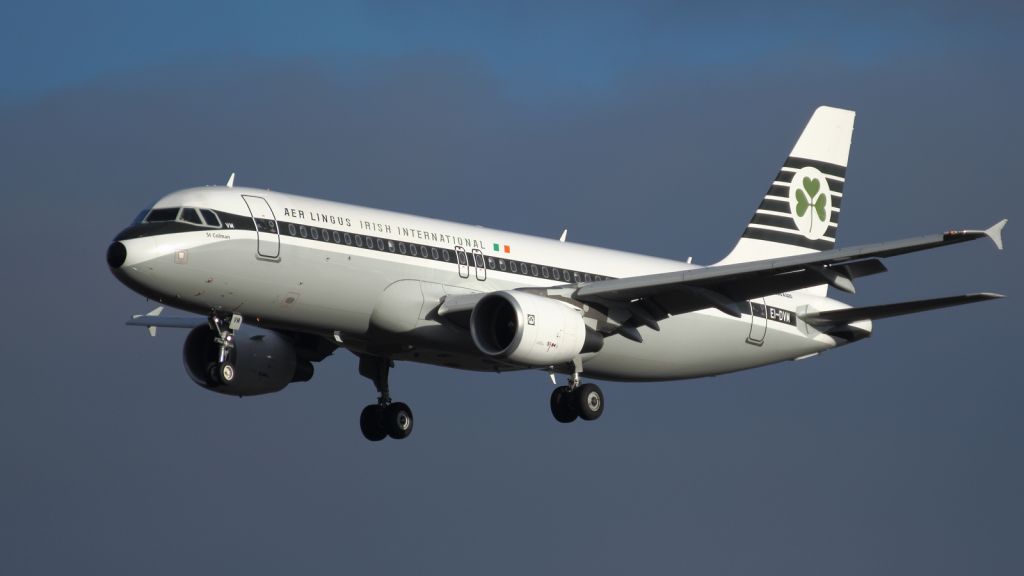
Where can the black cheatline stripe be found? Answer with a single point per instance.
(434, 253)
(787, 176)
(782, 176)
(784, 222)
(773, 220)
(784, 238)
(147, 229)
(783, 206)
(774, 203)
(365, 242)
(833, 185)
(825, 167)
(779, 193)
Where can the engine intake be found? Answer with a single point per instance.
(530, 329)
(264, 360)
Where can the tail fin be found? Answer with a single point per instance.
(800, 212)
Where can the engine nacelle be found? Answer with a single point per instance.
(530, 329)
(264, 361)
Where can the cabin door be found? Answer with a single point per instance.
(268, 240)
(758, 321)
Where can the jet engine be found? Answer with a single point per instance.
(530, 329)
(264, 360)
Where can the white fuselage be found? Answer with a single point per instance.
(383, 299)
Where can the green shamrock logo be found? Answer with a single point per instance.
(808, 196)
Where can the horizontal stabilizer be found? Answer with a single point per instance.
(153, 320)
(848, 315)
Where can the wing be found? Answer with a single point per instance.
(648, 299)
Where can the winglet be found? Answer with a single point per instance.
(996, 233)
(231, 180)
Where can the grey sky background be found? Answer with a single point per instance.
(654, 129)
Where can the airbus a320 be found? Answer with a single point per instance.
(279, 282)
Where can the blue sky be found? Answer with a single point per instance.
(651, 127)
(564, 48)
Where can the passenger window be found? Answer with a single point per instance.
(391, 246)
(380, 244)
(533, 270)
(587, 278)
(575, 277)
(325, 235)
(314, 232)
(163, 215)
(544, 271)
(501, 264)
(402, 248)
(412, 250)
(303, 232)
(291, 229)
(490, 263)
(444, 254)
(359, 241)
(348, 239)
(434, 254)
(210, 217)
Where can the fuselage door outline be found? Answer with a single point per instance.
(462, 259)
(268, 239)
(479, 264)
(758, 322)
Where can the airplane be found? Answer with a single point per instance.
(279, 282)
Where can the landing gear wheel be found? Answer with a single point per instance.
(371, 422)
(589, 401)
(226, 372)
(563, 408)
(398, 420)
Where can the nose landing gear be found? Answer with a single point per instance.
(224, 370)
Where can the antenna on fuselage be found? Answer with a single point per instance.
(565, 232)
(231, 180)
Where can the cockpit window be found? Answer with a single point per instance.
(162, 215)
(188, 215)
(210, 216)
(191, 215)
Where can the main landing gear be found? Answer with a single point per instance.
(385, 418)
(223, 370)
(575, 400)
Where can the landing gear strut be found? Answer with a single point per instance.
(385, 418)
(224, 370)
(575, 400)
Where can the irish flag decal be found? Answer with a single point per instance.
(502, 248)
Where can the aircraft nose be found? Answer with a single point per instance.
(116, 255)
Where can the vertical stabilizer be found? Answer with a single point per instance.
(800, 212)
